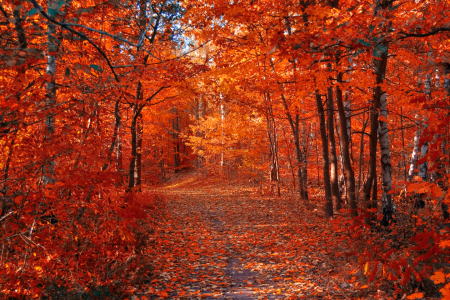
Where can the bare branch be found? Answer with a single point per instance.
(156, 93)
(432, 32)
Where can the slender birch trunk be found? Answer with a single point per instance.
(415, 152)
(386, 169)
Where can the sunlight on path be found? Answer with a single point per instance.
(217, 245)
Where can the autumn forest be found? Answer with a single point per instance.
(224, 149)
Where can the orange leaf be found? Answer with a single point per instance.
(444, 244)
(445, 291)
(415, 296)
(438, 277)
(18, 199)
(164, 294)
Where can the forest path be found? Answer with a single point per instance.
(221, 241)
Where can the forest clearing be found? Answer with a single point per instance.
(222, 149)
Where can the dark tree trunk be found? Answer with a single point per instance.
(345, 150)
(134, 143)
(176, 147)
(326, 163)
(139, 133)
(334, 176)
(131, 172)
(273, 145)
(380, 69)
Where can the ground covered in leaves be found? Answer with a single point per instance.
(219, 240)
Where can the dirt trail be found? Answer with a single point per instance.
(227, 242)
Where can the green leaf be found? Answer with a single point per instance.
(364, 42)
(60, 3)
(383, 49)
(380, 49)
(394, 7)
(371, 28)
(67, 72)
(32, 12)
(96, 68)
(52, 12)
(376, 53)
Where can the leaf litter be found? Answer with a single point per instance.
(226, 241)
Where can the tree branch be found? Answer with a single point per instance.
(433, 32)
(4, 12)
(65, 25)
(156, 93)
(84, 37)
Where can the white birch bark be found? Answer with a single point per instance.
(386, 170)
(415, 152)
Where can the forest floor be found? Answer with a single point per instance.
(223, 240)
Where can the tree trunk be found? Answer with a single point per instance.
(386, 179)
(403, 145)
(348, 116)
(326, 163)
(49, 169)
(120, 160)
(361, 159)
(334, 176)
(345, 151)
(300, 158)
(298, 151)
(291, 167)
(134, 143)
(380, 69)
(115, 135)
(302, 174)
(415, 152)
(273, 145)
(132, 169)
(21, 37)
(304, 149)
(4, 189)
(441, 166)
(139, 133)
(176, 147)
